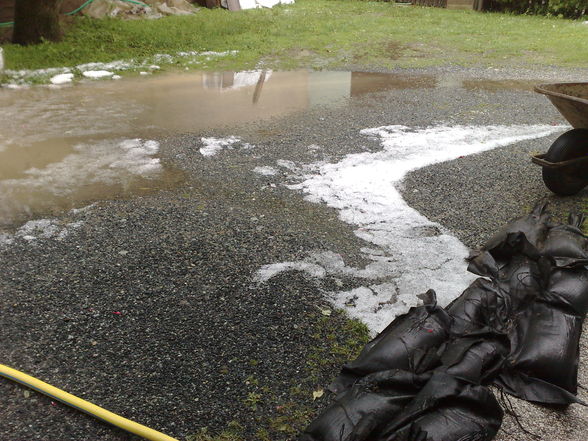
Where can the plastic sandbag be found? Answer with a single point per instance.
(446, 409)
(482, 304)
(475, 359)
(358, 413)
(545, 345)
(523, 386)
(514, 244)
(518, 275)
(409, 343)
(521, 278)
(402, 406)
(566, 244)
(518, 329)
(567, 289)
(483, 263)
(533, 227)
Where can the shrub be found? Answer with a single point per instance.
(558, 8)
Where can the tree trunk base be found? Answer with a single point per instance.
(35, 21)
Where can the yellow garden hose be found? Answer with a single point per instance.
(84, 406)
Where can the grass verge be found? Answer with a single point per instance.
(320, 34)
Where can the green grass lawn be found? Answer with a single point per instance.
(321, 34)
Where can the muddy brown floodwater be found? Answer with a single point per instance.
(64, 147)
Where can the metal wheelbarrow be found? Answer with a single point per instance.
(565, 165)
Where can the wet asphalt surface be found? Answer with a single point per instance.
(149, 309)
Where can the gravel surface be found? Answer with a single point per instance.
(149, 308)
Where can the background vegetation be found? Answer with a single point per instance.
(558, 8)
(321, 34)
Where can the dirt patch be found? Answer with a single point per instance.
(299, 53)
(394, 49)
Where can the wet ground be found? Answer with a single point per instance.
(147, 297)
(79, 145)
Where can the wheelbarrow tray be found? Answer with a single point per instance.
(564, 167)
(571, 99)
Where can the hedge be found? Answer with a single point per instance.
(557, 8)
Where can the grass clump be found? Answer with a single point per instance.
(233, 432)
(338, 339)
(319, 34)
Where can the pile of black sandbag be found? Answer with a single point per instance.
(425, 377)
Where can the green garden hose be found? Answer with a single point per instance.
(8, 24)
(80, 8)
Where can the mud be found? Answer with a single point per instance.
(63, 147)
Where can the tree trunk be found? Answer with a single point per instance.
(35, 20)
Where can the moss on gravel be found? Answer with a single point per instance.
(337, 339)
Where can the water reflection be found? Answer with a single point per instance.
(67, 146)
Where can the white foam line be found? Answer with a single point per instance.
(105, 162)
(62, 78)
(213, 146)
(38, 229)
(266, 171)
(412, 253)
(97, 74)
(24, 76)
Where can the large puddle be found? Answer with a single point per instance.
(65, 147)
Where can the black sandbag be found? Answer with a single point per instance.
(521, 278)
(409, 343)
(518, 275)
(482, 263)
(532, 227)
(477, 358)
(513, 244)
(545, 345)
(567, 289)
(518, 329)
(446, 409)
(482, 304)
(567, 244)
(532, 389)
(359, 413)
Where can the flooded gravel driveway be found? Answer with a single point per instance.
(168, 245)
